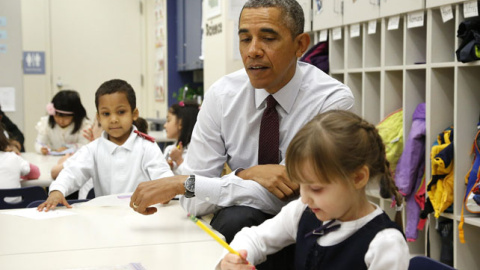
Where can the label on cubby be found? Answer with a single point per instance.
(393, 22)
(323, 36)
(354, 30)
(470, 9)
(372, 27)
(337, 33)
(447, 13)
(415, 19)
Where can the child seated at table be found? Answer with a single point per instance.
(13, 168)
(181, 119)
(92, 134)
(62, 129)
(120, 159)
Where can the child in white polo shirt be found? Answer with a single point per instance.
(120, 159)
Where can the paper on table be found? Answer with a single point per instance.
(130, 266)
(110, 200)
(33, 213)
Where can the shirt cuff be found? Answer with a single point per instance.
(207, 189)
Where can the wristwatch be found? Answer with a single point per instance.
(189, 185)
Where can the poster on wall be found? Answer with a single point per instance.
(160, 39)
(213, 8)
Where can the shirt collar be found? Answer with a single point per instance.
(128, 144)
(286, 96)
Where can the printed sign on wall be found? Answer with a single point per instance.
(33, 62)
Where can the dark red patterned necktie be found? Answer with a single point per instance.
(268, 143)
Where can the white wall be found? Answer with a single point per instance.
(219, 48)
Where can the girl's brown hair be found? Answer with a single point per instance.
(338, 143)
(3, 139)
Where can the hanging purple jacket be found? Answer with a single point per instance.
(410, 170)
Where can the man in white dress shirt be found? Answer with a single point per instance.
(227, 130)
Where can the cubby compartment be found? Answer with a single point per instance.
(372, 46)
(393, 94)
(441, 101)
(467, 107)
(442, 38)
(337, 52)
(414, 94)
(435, 238)
(416, 45)
(371, 97)
(394, 44)
(467, 252)
(354, 81)
(339, 77)
(355, 48)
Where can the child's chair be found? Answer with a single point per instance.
(28, 194)
(423, 262)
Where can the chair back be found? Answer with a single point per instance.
(38, 202)
(423, 262)
(26, 195)
(91, 194)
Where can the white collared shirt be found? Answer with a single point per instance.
(387, 250)
(113, 168)
(227, 130)
(57, 136)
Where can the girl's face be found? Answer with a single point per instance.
(116, 117)
(63, 120)
(328, 201)
(172, 126)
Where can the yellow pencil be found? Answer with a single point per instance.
(212, 234)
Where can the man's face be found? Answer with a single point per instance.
(268, 51)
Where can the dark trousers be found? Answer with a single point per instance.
(228, 221)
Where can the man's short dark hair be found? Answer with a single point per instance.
(293, 17)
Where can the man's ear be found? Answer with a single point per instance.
(302, 41)
(361, 177)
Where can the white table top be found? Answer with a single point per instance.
(45, 164)
(106, 236)
(160, 136)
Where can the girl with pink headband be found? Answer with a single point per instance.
(61, 130)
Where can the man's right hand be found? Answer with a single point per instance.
(156, 191)
(272, 177)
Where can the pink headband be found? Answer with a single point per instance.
(51, 110)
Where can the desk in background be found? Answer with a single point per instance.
(99, 236)
(45, 164)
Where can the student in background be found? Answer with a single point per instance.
(13, 168)
(181, 119)
(62, 128)
(120, 159)
(333, 224)
(15, 136)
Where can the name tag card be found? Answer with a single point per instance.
(447, 13)
(354, 30)
(323, 35)
(372, 27)
(415, 19)
(393, 23)
(337, 33)
(470, 9)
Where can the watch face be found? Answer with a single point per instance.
(190, 184)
